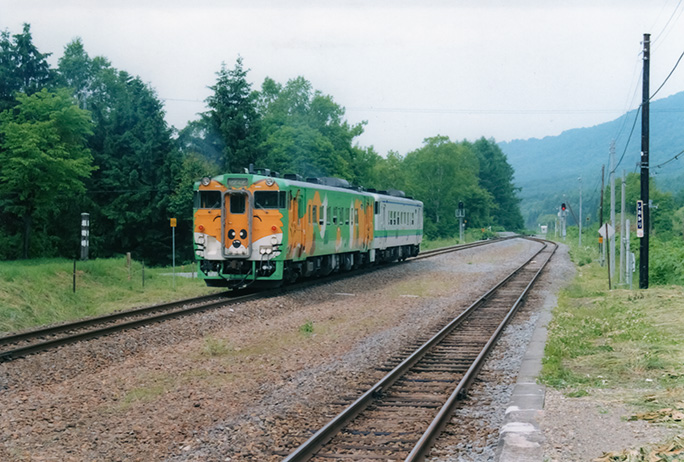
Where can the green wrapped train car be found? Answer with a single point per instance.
(257, 227)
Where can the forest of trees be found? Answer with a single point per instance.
(87, 137)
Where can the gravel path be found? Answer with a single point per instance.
(242, 382)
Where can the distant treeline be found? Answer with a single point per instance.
(87, 137)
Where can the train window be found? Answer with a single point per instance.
(356, 217)
(377, 208)
(314, 215)
(270, 199)
(207, 199)
(266, 199)
(237, 203)
(346, 214)
(334, 216)
(321, 219)
(328, 216)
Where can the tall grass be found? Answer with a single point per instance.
(39, 292)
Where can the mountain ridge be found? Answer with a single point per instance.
(547, 169)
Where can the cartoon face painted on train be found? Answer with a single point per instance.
(237, 224)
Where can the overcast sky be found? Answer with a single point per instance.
(413, 69)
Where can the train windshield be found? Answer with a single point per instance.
(207, 199)
(237, 203)
(270, 199)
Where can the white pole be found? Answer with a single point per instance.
(628, 255)
(612, 208)
(580, 213)
(622, 231)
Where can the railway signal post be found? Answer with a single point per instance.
(460, 214)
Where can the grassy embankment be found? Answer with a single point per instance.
(39, 292)
(629, 343)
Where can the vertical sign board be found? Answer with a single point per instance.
(85, 235)
(640, 218)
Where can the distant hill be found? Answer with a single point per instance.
(548, 169)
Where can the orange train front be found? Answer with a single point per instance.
(259, 228)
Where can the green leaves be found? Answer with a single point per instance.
(43, 154)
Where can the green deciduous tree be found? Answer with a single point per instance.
(43, 156)
(305, 131)
(442, 173)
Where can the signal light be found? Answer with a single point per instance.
(563, 206)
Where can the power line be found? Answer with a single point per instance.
(668, 76)
(675, 157)
(629, 138)
(668, 21)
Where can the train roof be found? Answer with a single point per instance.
(323, 183)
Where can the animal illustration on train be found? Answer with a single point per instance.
(260, 228)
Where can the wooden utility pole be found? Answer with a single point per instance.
(643, 248)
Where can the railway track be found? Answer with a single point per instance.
(21, 344)
(400, 416)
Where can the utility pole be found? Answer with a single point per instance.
(643, 248)
(612, 208)
(602, 245)
(580, 213)
(623, 244)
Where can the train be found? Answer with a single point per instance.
(258, 228)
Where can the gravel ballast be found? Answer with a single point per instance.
(242, 382)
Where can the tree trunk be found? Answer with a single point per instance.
(28, 219)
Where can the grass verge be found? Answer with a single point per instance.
(628, 342)
(40, 292)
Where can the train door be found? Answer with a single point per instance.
(236, 224)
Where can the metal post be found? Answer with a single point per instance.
(173, 223)
(173, 251)
(643, 248)
(460, 214)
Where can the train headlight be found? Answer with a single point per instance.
(274, 240)
(269, 181)
(205, 181)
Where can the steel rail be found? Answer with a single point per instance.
(167, 313)
(99, 332)
(421, 449)
(51, 330)
(308, 449)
